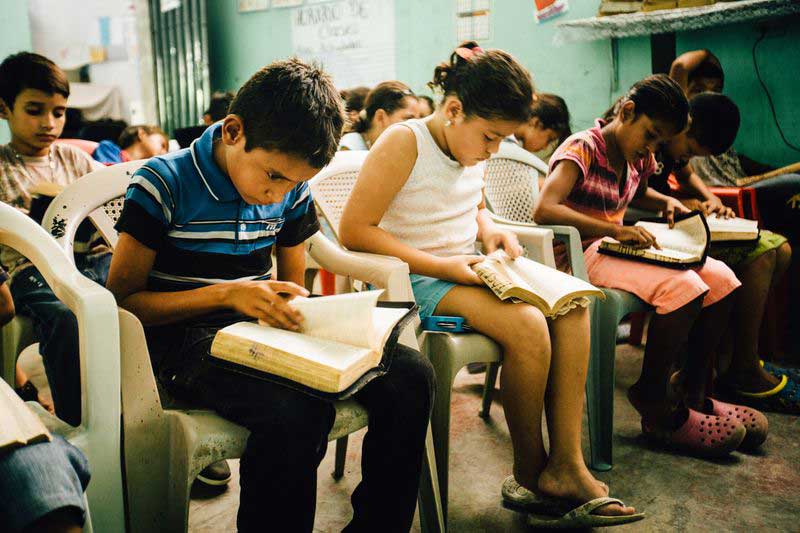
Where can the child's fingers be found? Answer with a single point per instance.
(289, 288)
(473, 259)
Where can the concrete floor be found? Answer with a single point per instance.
(759, 492)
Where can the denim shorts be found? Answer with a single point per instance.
(428, 292)
(38, 479)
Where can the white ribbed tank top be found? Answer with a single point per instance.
(436, 210)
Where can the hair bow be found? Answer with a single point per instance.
(468, 53)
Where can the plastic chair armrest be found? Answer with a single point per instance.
(383, 271)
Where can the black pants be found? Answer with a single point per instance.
(289, 434)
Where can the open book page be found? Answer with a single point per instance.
(732, 229)
(19, 425)
(383, 322)
(540, 285)
(687, 235)
(346, 318)
(46, 188)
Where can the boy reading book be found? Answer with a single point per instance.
(33, 100)
(196, 233)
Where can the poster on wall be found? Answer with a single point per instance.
(352, 39)
(548, 9)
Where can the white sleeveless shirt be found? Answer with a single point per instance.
(436, 210)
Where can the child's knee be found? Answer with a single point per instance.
(526, 328)
(783, 254)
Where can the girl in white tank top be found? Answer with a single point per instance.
(418, 198)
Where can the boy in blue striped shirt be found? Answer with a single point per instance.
(193, 256)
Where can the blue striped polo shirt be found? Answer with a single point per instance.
(186, 209)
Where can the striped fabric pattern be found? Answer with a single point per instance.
(185, 208)
(598, 192)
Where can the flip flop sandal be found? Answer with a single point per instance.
(701, 435)
(582, 516)
(754, 422)
(560, 513)
(783, 398)
(778, 371)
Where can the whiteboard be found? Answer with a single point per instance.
(354, 40)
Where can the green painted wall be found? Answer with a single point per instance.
(581, 72)
(15, 36)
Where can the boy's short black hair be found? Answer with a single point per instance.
(26, 70)
(218, 105)
(292, 107)
(715, 121)
(710, 68)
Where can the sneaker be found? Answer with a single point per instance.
(215, 474)
(517, 497)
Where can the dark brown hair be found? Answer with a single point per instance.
(130, 135)
(354, 98)
(26, 70)
(388, 95)
(291, 107)
(552, 112)
(218, 105)
(715, 121)
(491, 84)
(660, 98)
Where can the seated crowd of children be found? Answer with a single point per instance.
(199, 227)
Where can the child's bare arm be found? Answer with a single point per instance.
(127, 280)
(550, 208)
(6, 305)
(384, 173)
(684, 64)
(694, 186)
(291, 263)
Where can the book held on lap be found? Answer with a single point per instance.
(344, 343)
(19, 426)
(521, 280)
(732, 230)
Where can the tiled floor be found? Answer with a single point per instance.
(759, 492)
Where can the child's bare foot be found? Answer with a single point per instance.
(575, 482)
(662, 412)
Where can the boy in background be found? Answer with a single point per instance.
(194, 255)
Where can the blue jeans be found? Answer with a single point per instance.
(289, 434)
(56, 327)
(38, 479)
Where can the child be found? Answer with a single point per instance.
(425, 106)
(217, 107)
(33, 100)
(353, 104)
(548, 126)
(419, 197)
(193, 256)
(593, 177)
(715, 121)
(135, 142)
(388, 103)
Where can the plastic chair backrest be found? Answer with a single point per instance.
(98, 436)
(98, 195)
(332, 185)
(512, 185)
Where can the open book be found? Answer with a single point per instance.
(41, 195)
(685, 245)
(19, 426)
(343, 338)
(732, 230)
(521, 279)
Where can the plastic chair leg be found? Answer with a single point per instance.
(488, 388)
(637, 328)
(600, 384)
(431, 518)
(341, 455)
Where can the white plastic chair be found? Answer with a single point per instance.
(98, 436)
(448, 352)
(165, 448)
(512, 188)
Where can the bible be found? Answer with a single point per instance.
(685, 245)
(553, 292)
(735, 231)
(19, 426)
(345, 342)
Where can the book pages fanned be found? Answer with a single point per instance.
(19, 426)
(553, 292)
(343, 337)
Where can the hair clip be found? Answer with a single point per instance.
(468, 53)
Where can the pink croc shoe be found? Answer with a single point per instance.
(701, 435)
(754, 422)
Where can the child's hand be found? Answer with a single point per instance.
(673, 206)
(458, 269)
(267, 300)
(636, 236)
(715, 205)
(506, 240)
